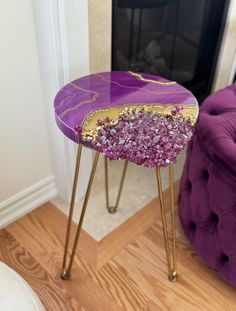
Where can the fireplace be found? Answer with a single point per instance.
(177, 39)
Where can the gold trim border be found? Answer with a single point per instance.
(89, 127)
(139, 76)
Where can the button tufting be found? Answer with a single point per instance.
(208, 212)
(213, 113)
(190, 145)
(205, 175)
(214, 217)
(224, 257)
(189, 185)
(193, 226)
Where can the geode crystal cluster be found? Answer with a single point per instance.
(143, 137)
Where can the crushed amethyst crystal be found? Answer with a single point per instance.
(143, 137)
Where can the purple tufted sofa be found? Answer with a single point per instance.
(207, 202)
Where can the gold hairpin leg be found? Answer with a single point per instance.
(112, 209)
(171, 262)
(65, 275)
(72, 203)
(172, 205)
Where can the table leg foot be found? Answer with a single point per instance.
(113, 209)
(173, 276)
(65, 275)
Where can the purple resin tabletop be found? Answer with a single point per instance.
(125, 115)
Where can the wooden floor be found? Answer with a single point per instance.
(135, 279)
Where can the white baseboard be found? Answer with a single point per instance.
(25, 201)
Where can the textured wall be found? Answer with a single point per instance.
(100, 35)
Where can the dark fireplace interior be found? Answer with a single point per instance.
(177, 39)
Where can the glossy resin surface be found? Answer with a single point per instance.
(144, 118)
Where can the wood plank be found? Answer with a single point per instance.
(151, 306)
(96, 253)
(198, 287)
(134, 279)
(52, 295)
(132, 227)
(113, 292)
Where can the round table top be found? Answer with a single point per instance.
(125, 115)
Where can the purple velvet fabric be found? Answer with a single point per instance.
(207, 205)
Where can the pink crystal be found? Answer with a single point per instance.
(147, 138)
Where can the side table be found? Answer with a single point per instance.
(141, 118)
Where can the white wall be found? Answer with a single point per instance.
(227, 59)
(24, 146)
(62, 38)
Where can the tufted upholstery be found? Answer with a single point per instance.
(207, 205)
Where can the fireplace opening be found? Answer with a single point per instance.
(177, 39)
